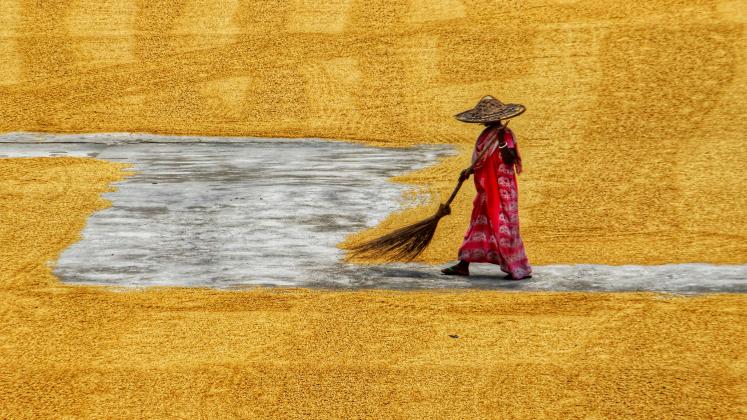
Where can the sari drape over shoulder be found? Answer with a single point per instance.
(493, 233)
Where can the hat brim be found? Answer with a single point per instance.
(508, 111)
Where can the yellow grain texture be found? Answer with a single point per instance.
(634, 139)
(73, 351)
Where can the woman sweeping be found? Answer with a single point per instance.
(493, 233)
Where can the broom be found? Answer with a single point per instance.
(406, 243)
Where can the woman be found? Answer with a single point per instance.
(493, 233)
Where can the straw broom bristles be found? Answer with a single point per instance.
(403, 244)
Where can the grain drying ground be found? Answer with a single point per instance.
(92, 351)
(634, 143)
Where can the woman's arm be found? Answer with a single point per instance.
(508, 154)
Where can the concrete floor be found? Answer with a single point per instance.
(234, 213)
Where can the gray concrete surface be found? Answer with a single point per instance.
(235, 213)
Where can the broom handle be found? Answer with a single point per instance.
(461, 181)
(454, 193)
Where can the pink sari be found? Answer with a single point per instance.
(493, 233)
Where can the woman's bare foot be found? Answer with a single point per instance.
(460, 269)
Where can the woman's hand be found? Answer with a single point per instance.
(465, 174)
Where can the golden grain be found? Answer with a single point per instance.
(634, 151)
(80, 351)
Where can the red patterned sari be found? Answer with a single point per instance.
(493, 233)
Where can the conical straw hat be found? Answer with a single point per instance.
(490, 109)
